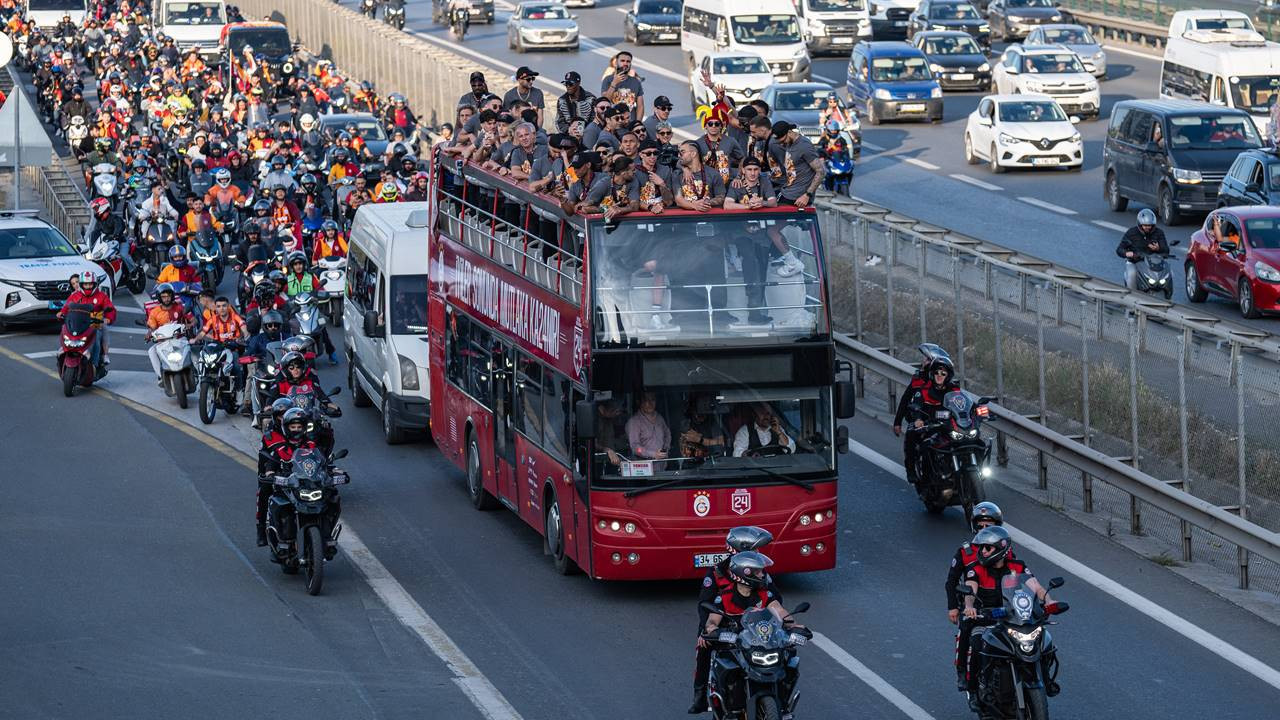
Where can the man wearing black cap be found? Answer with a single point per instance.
(579, 176)
(802, 167)
(574, 104)
(524, 90)
(616, 193)
(661, 114)
(479, 88)
(623, 86)
(655, 179)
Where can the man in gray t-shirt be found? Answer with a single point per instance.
(524, 90)
(623, 86)
(802, 166)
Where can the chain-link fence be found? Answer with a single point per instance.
(1179, 401)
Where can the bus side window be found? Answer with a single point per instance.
(529, 398)
(557, 396)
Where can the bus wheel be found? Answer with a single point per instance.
(480, 498)
(553, 538)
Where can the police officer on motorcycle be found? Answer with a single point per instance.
(1138, 242)
(985, 515)
(922, 397)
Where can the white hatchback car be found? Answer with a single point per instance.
(1022, 131)
(743, 75)
(1052, 70)
(36, 265)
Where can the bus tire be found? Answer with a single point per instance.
(480, 498)
(553, 536)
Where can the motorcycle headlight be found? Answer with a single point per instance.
(74, 343)
(1189, 177)
(957, 435)
(1027, 639)
(764, 659)
(175, 357)
(408, 373)
(311, 495)
(332, 275)
(1266, 272)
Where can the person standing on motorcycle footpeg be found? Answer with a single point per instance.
(995, 561)
(300, 281)
(103, 314)
(921, 399)
(745, 538)
(277, 459)
(1138, 242)
(985, 515)
(167, 310)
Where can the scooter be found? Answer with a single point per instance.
(394, 16)
(176, 371)
(76, 133)
(104, 181)
(205, 249)
(1154, 273)
(839, 178)
(106, 252)
(79, 334)
(159, 238)
(216, 378)
(332, 271)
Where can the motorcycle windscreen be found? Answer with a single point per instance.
(1020, 603)
(310, 466)
(78, 319)
(960, 404)
(304, 399)
(761, 629)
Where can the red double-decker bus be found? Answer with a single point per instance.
(618, 386)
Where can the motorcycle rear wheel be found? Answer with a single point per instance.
(68, 380)
(315, 560)
(1037, 704)
(766, 708)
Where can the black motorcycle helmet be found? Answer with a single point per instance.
(294, 423)
(272, 322)
(986, 512)
(308, 183)
(165, 289)
(747, 538)
(749, 568)
(278, 409)
(938, 364)
(262, 207)
(265, 293)
(293, 361)
(997, 539)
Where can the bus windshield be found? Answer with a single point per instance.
(1255, 94)
(194, 13)
(723, 425)
(683, 280)
(766, 29)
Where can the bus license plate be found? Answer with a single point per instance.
(637, 469)
(962, 76)
(706, 560)
(913, 107)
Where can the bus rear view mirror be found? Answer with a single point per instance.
(845, 399)
(585, 417)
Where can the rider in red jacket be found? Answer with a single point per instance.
(87, 293)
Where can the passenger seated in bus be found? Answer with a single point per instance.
(701, 434)
(698, 188)
(609, 432)
(765, 431)
(647, 431)
(615, 194)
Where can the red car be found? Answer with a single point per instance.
(1236, 254)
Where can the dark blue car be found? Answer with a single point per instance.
(892, 81)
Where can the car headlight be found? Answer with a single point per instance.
(984, 67)
(175, 357)
(937, 27)
(1075, 138)
(643, 26)
(408, 373)
(1007, 139)
(1266, 272)
(1189, 177)
(882, 94)
(935, 68)
(311, 495)
(764, 658)
(984, 28)
(936, 92)
(1100, 55)
(1091, 86)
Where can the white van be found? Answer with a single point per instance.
(384, 316)
(192, 23)
(1185, 21)
(48, 13)
(768, 28)
(1232, 67)
(834, 26)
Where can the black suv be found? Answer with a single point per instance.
(1172, 154)
(1254, 179)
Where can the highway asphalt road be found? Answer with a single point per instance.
(134, 588)
(914, 168)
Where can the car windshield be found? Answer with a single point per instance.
(1263, 233)
(33, 242)
(705, 280)
(1237, 23)
(1055, 63)
(720, 411)
(195, 13)
(816, 99)
(368, 129)
(272, 42)
(899, 69)
(766, 29)
(661, 7)
(408, 304)
(744, 65)
(1030, 111)
(1068, 36)
(1030, 3)
(1212, 132)
(956, 11)
(835, 5)
(951, 45)
(545, 12)
(1255, 94)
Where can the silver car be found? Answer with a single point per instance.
(542, 25)
(1076, 38)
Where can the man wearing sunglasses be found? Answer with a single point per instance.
(654, 179)
(662, 108)
(985, 515)
(921, 400)
(719, 153)
(575, 104)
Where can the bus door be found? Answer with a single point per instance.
(504, 436)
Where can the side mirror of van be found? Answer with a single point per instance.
(585, 418)
(371, 327)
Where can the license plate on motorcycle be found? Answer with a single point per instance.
(962, 76)
(55, 304)
(706, 560)
(1044, 161)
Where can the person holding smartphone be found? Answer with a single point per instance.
(624, 86)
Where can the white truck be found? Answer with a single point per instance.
(192, 23)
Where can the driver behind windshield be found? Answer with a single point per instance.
(764, 430)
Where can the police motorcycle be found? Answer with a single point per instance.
(1019, 659)
(393, 15)
(302, 515)
(954, 458)
(755, 668)
(332, 271)
(216, 377)
(176, 369)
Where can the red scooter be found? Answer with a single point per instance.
(79, 333)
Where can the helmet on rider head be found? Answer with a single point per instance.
(222, 176)
(308, 182)
(101, 207)
(993, 544)
(178, 256)
(103, 143)
(941, 363)
(252, 228)
(279, 187)
(278, 409)
(262, 207)
(293, 360)
(328, 225)
(277, 160)
(306, 122)
(985, 512)
(87, 278)
(272, 317)
(1146, 217)
(297, 256)
(747, 537)
(161, 290)
(277, 277)
(833, 126)
(390, 192)
(294, 423)
(749, 568)
(264, 292)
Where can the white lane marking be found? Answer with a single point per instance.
(473, 683)
(130, 309)
(921, 163)
(14, 334)
(1110, 226)
(976, 182)
(1135, 53)
(1047, 205)
(871, 146)
(868, 676)
(127, 330)
(54, 353)
(826, 79)
(1176, 623)
(622, 10)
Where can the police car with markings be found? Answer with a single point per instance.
(36, 265)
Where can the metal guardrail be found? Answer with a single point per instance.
(1159, 494)
(1145, 22)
